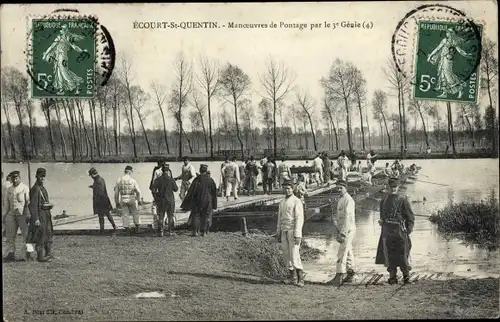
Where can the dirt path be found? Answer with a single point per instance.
(220, 277)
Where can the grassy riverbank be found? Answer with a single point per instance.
(223, 276)
(383, 155)
(474, 222)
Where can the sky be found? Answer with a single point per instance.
(308, 54)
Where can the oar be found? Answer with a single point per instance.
(438, 184)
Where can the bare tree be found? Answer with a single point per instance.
(126, 75)
(247, 116)
(489, 73)
(330, 110)
(379, 106)
(57, 109)
(210, 82)
(200, 109)
(234, 84)
(180, 92)
(340, 86)
(360, 98)
(46, 106)
(265, 109)
(421, 108)
(451, 132)
(160, 97)
(277, 82)
(469, 112)
(306, 103)
(140, 98)
(5, 109)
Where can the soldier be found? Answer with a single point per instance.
(231, 174)
(284, 172)
(201, 200)
(15, 214)
(100, 200)
(253, 171)
(289, 233)
(163, 192)
(127, 196)
(187, 174)
(345, 231)
(41, 229)
(397, 220)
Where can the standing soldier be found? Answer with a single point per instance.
(289, 233)
(253, 171)
(188, 172)
(157, 172)
(15, 214)
(342, 163)
(243, 176)
(5, 186)
(163, 192)
(284, 171)
(345, 231)
(127, 196)
(100, 200)
(201, 200)
(41, 229)
(327, 165)
(231, 178)
(397, 220)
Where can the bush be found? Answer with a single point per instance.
(474, 222)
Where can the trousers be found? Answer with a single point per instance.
(318, 174)
(168, 208)
(291, 253)
(231, 185)
(345, 255)
(14, 221)
(129, 208)
(184, 189)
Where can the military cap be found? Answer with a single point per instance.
(184, 158)
(41, 172)
(342, 183)
(14, 174)
(288, 183)
(203, 168)
(394, 182)
(92, 171)
(129, 168)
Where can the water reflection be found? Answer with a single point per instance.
(431, 253)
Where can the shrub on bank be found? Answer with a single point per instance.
(474, 222)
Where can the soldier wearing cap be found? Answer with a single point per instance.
(163, 189)
(201, 199)
(157, 172)
(397, 220)
(127, 196)
(41, 229)
(100, 200)
(345, 231)
(188, 173)
(289, 233)
(15, 214)
(5, 185)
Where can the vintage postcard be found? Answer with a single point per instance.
(250, 161)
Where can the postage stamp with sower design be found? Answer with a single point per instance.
(63, 58)
(446, 62)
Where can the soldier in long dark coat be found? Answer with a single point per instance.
(40, 223)
(201, 200)
(397, 220)
(100, 200)
(163, 189)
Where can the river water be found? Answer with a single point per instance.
(460, 180)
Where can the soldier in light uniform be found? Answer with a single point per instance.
(188, 173)
(15, 214)
(345, 230)
(231, 173)
(127, 197)
(397, 221)
(289, 233)
(284, 172)
(40, 224)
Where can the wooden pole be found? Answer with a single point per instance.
(29, 173)
(244, 229)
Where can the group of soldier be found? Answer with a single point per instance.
(29, 210)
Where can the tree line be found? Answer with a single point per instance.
(286, 116)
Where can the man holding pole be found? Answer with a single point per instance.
(100, 200)
(397, 221)
(289, 233)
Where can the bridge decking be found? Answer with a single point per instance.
(91, 223)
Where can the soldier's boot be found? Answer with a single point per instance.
(338, 279)
(171, 226)
(40, 257)
(349, 277)
(300, 278)
(393, 278)
(101, 225)
(29, 257)
(291, 278)
(137, 229)
(10, 257)
(111, 221)
(196, 227)
(160, 232)
(48, 251)
(207, 228)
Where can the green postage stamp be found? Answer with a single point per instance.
(447, 61)
(63, 58)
